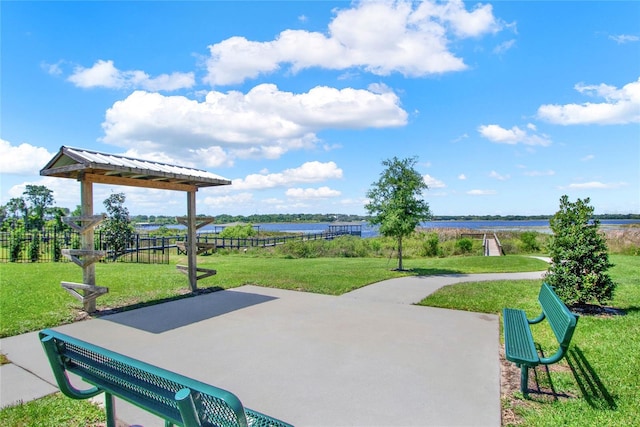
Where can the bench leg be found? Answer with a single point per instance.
(187, 408)
(524, 380)
(110, 409)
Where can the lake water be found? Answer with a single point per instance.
(541, 226)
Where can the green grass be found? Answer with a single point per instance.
(32, 299)
(603, 366)
(53, 411)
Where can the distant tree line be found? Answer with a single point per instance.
(524, 217)
(254, 219)
(275, 218)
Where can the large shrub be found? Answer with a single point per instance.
(15, 245)
(579, 255)
(56, 250)
(238, 231)
(530, 241)
(464, 245)
(431, 245)
(34, 247)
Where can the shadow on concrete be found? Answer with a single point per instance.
(180, 312)
(199, 291)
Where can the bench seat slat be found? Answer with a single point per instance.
(518, 341)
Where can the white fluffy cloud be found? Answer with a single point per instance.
(481, 192)
(23, 159)
(620, 106)
(66, 192)
(307, 173)
(499, 177)
(515, 135)
(414, 42)
(228, 202)
(624, 38)
(548, 172)
(312, 193)
(105, 74)
(263, 123)
(595, 185)
(433, 182)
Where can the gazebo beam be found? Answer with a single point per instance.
(136, 182)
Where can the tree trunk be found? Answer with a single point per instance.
(400, 253)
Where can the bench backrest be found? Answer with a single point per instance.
(142, 384)
(561, 320)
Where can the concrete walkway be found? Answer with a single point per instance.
(366, 358)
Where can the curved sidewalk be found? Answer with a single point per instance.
(366, 358)
(411, 290)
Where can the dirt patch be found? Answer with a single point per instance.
(597, 310)
(509, 385)
(539, 392)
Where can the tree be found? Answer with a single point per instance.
(579, 255)
(16, 210)
(38, 198)
(395, 200)
(117, 229)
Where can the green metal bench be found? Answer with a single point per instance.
(177, 399)
(518, 340)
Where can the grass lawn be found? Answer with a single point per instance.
(597, 384)
(55, 410)
(32, 299)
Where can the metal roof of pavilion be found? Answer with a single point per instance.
(103, 168)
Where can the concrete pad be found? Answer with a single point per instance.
(26, 351)
(18, 385)
(317, 360)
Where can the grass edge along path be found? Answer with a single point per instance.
(32, 299)
(596, 385)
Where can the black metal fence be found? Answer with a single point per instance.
(46, 246)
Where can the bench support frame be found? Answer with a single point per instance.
(519, 344)
(177, 399)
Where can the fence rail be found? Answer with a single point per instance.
(46, 246)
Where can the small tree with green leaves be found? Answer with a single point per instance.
(38, 198)
(395, 200)
(579, 255)
(117, 229)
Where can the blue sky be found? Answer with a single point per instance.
(507, 105)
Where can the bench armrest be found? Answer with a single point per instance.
(538, 319)
(60, 373)
(555, 358)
